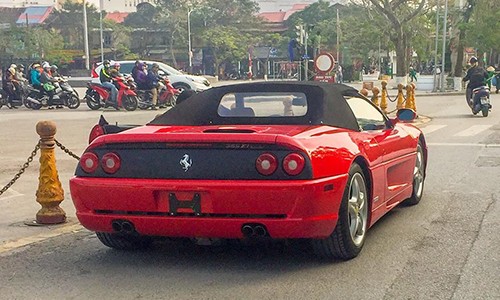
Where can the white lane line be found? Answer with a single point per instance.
(473, 130)
(465, 145)
(9, 246)
(431, 128)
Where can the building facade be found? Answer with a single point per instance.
(286, 5)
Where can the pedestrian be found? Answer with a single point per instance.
(339, 74)
(491, 74)
(413, 74)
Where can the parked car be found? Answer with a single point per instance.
(280, 160)
(179, 80)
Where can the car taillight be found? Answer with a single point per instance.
(110, 163)
(96, 131)
(89, 162)
(266, 164)
(293, 164)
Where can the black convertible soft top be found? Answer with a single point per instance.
(325, 101)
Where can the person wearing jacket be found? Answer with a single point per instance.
(476, 76)
(107, 81)
(9, 85)
(48, 85)
(152, 82)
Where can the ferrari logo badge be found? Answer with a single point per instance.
(186, 162)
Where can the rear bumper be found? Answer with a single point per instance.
(287, 209)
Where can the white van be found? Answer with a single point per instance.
(177, 78)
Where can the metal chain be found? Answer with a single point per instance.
(21, 171)
(67, 150)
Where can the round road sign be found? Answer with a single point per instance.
(324, 63)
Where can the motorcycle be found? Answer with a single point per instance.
(166, 97)
(480, 101)
(64, 95)
(25, 96)
(97, 96)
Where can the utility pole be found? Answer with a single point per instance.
(444, 44)
(306, 68)
(100, 29)
(190, 51)
(435, 85)
(86, 36)
(338, 37)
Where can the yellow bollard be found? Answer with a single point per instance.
(383, 98)
(401, 99)
(50, 193)
(375, 92)
(413, 104)
(408, 96)
(364, 92)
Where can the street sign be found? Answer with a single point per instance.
(324, 78)
(324, 63)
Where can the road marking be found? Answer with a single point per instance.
(13, 194)
(431, 128)
(465, 145)
(473, 130)
(9, 246)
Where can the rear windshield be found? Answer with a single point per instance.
(263, 104)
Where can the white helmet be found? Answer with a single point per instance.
(45, 65)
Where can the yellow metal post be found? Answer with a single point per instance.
(413, 103)
(375, 91)
(50, 193)
(401, 99)
(383, 98)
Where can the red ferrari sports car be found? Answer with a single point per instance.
(270, 159)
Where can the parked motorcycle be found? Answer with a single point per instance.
(97, 96)
(166, 97)
(480, 101)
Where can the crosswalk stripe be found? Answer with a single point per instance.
(465, 145)
(473, 130)
(431, 128)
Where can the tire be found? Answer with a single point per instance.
(36, 106)
(130, 102)
(418, 178)
(173, 100)
(485, 110)
(123, 242)
(73, 102)
(348, 237)
(93, 100)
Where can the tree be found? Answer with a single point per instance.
(399, 13)
(119, 37)
(228, 45)
(68, 21)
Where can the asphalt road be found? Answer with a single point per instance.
(444, 248)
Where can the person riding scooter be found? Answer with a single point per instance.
(476, 76)
(107, 81)
(9, 85)
(49, 85)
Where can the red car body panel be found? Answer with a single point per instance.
(289, 206)
(300, 209)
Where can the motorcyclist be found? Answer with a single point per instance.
(35, 74)
(476, 76)
(9, 85)
(48, 83)
(107, 81)
(54, 71)
(153, 82)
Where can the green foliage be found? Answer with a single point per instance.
(482, 32)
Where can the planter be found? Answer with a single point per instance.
(425, 82)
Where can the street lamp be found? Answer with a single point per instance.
(190, 52)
